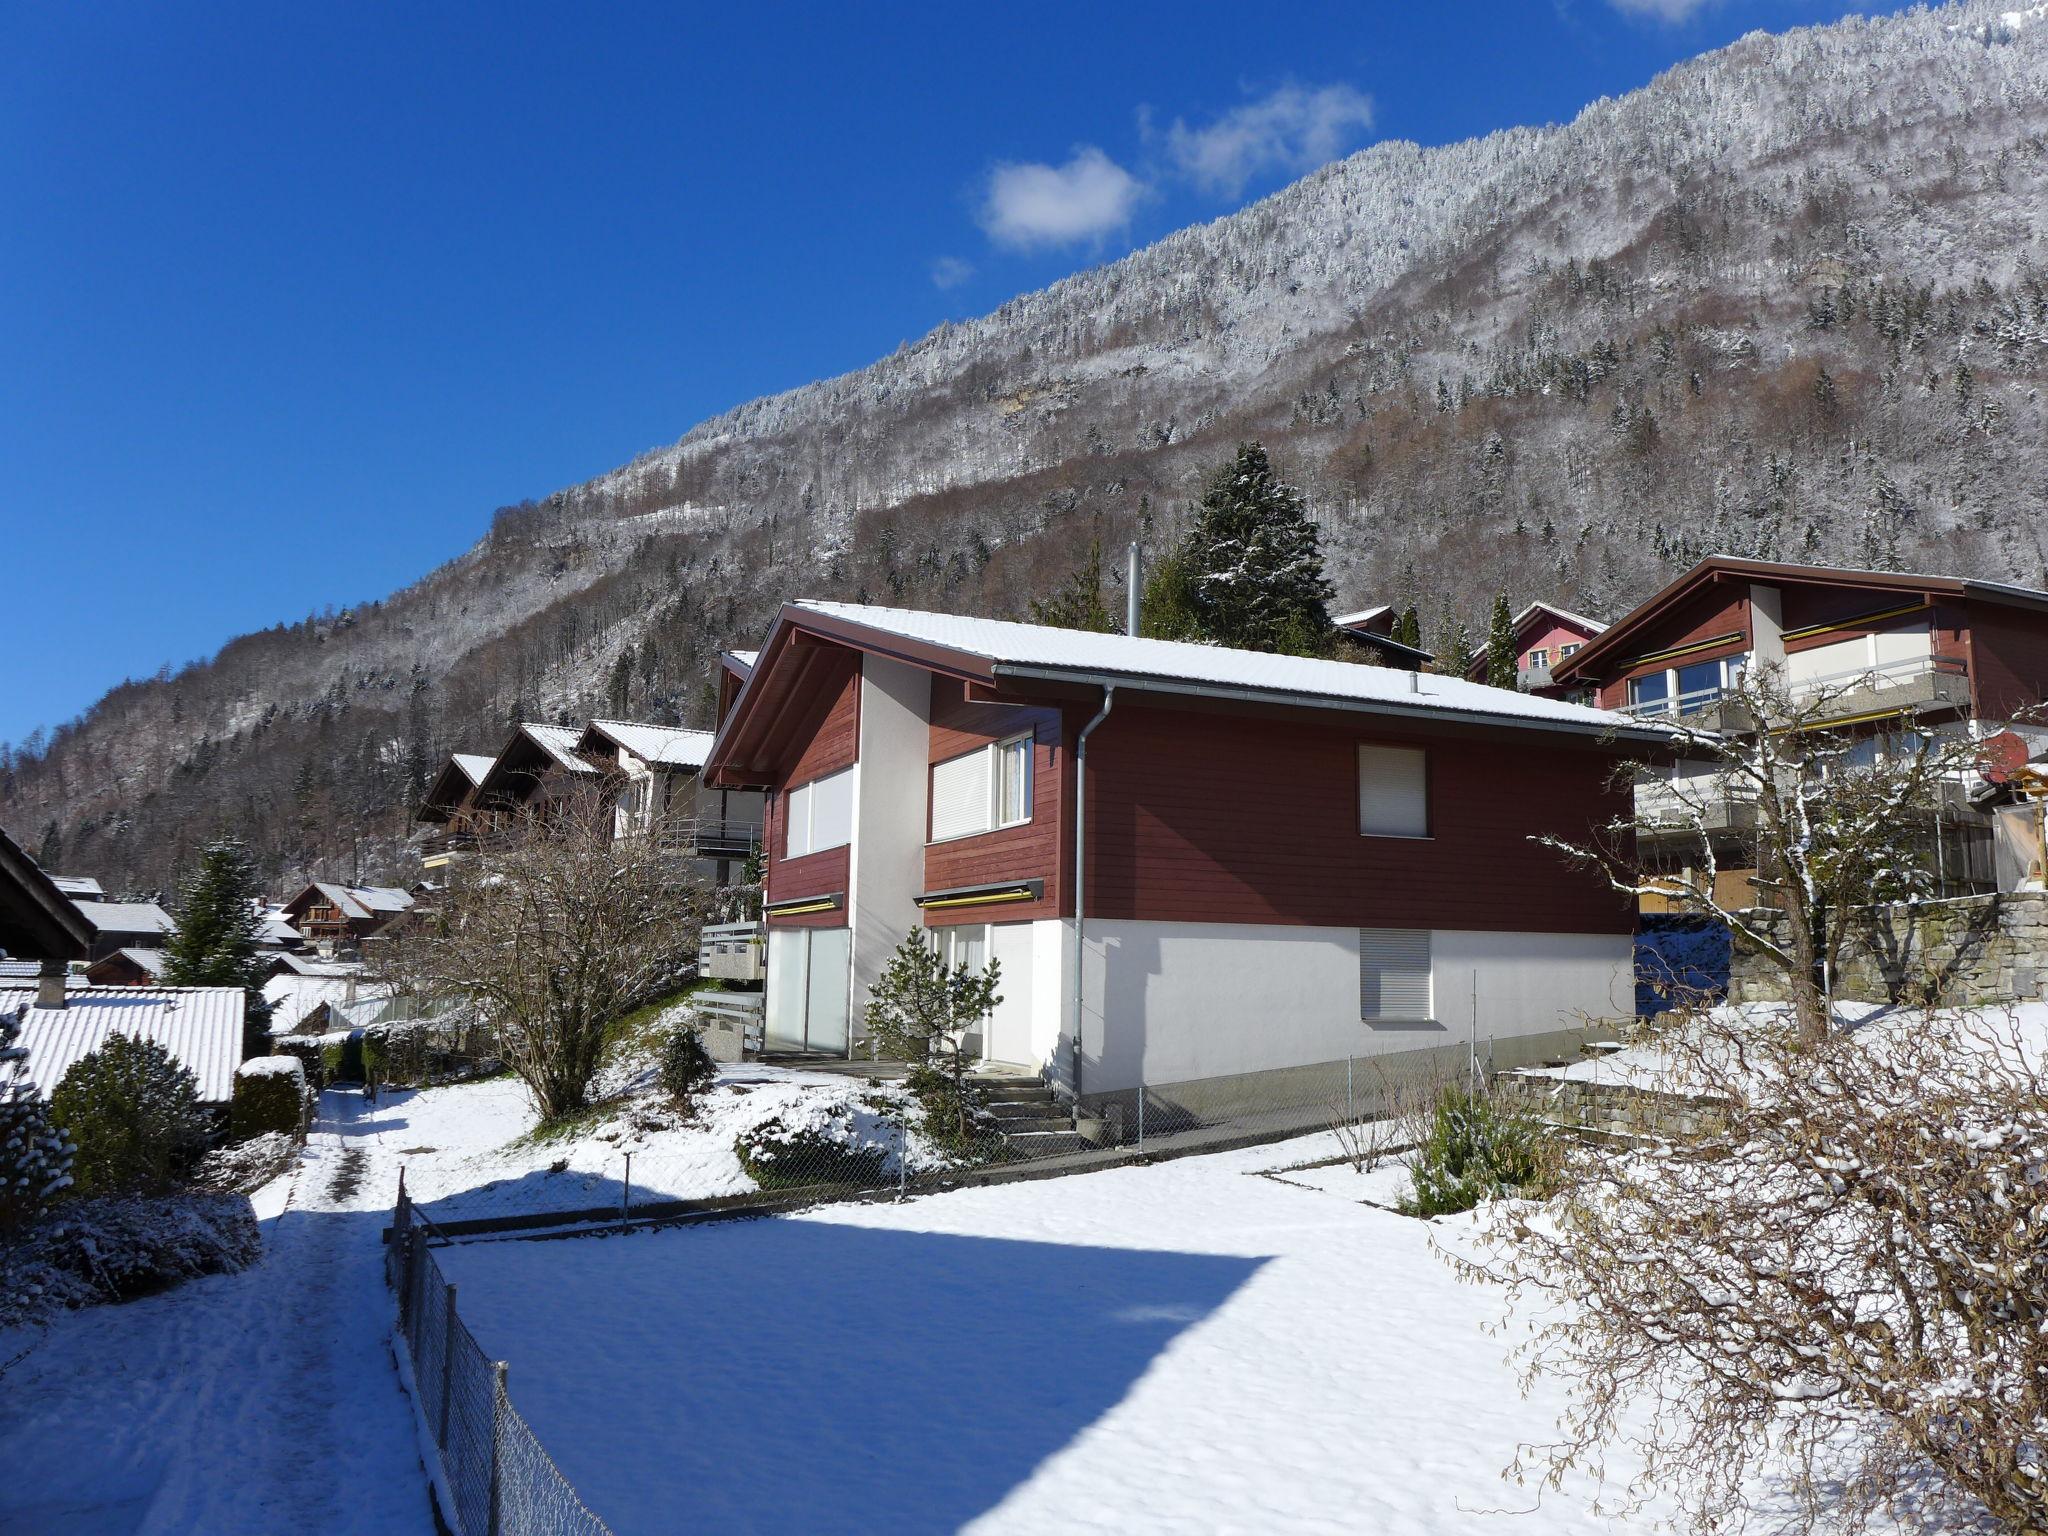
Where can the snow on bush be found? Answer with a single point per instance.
(35, 1156)
(686, 1068)
(133, 1110)
(248, 1165)
(270, 1095)
(818, 1140)
(116, 1249)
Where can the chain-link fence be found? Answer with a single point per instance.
(497, 1478)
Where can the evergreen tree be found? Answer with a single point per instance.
(132, 1111)
(1454, 649)
(1252, 563)
(215, 941)
(1500, 644)
(1078, 602)
(922, 1009)
(618, 693)
(35, 1156)
(1167, 609)
(1408, 627)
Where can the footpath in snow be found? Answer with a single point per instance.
(237, 1405)
(1185, 1347)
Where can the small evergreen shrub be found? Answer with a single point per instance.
(956, 1115)
(785, 1153)
(133, 1113)
(686, 1068)
(1474, 1150)
(270, 1095)
(35, 1155)
(331, 1053)
(307, 1052)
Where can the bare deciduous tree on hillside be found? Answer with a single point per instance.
(553, 932)
(1837, 1299)
(1832, 820)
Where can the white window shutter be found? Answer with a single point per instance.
(960, 796)
(1393, 791)
(1393, 974)
(832, 810)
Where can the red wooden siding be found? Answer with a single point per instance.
(1214, 818)
(828, 740)
(1718, 610)
(1033, 851)
(2008, 659)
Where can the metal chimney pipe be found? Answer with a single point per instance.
(1131, 578)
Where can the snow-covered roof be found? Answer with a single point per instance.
(1363, 616)
(200, 1026)
(306, 964)
(474, 765)
(744, 660)
(151, 960)
(79, 887)
(358, 902)
(1594, 625)
(559, 743)
(1039, 651)
(292, 997)
(273, 927)
(126, 916)
(667, 746)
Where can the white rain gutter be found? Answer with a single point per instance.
(1081, 866)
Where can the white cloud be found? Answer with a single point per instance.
(951, 271)
(1672, 11)
(1041, 205)
(1292, 129)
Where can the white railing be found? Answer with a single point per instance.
(1888, 674)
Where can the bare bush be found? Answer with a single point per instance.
(553, 932)
(1844, 1285)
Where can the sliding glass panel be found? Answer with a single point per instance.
(786, 988)
(831, 955)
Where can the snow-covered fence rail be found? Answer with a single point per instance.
(492, 1475)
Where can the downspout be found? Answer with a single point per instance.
(1081, 867)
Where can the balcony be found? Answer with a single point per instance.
(1916, 683)
(1532, 677)
(1663, 810)
(710, 837)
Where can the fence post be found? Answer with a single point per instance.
(1350, 1098)
(626, 1194)
(447, 1355)
(902, 1154)
(497, 1517)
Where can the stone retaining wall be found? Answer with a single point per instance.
(1971, 951)
(1616, 1109)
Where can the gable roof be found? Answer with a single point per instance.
(529, 752)
(1717, 567)
(739, 663)
(461, 776)
(1530, 612)
(993, 650)
(126, 917)
(80, 887)
(357, 903)
(663, 745)
(200, 1026)
(37, 920)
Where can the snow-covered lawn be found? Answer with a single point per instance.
(1184, 1347)
(237, 1405)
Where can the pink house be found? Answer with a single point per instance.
(1545, 635)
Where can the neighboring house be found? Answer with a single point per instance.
(1374, 628)
(653, 775)
(274, 930)
(1898, 653)
(39, 924)
(536, 763)
(1283, 863)
(127, 968)
(337, 918)
(734, 668)
(118, 925)
(80, 887)
(450, 806)
(200, 1026)
(299, 1003)
(1546, 636)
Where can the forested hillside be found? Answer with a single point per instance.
(1790, 299)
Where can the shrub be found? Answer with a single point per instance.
(956, 1114)
(1474, 1150)
(331, 1052)
(35, 1155)
(785, 1152)
(270, 1095)
(247, 1166)
(308, 1052)
(133, 1113)
(686, 1068)
(116, 1249)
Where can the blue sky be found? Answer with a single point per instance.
(291, 297)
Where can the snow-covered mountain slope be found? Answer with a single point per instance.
(1786, 299)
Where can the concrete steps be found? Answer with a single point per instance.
(1028, 1115)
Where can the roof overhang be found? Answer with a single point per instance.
(37, 921)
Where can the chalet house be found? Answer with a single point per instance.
(1197, 866)
(118, 925)
(80, 887)
(654, 775)
(1894, 652)
(1546, 636)
(449, 806)
(337, 918)
(1374, 629)
(127, 968)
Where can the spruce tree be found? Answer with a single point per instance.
(1078, 603)
(1252, 563)
(1454, 649)
(1500, 644)
(1408, 627)
(215, 941)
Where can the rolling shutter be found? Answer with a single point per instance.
(960, 796)
(832, 810)
(1393, 974)
(1393, 791)
(797, 843)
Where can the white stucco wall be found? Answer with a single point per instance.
(1186, 1001)
(886, 869)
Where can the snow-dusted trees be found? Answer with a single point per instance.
(1250, 572)
(132, 1109)
(1843, 1286)
(35, 1157)
(924, 1010)
(1078, 603)
(1829, 819)
(215, 942)
(552, 933)
(1500, 644)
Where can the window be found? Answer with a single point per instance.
(1393, 791)
(983, 789)
(1393, 975)
(1649, 691)
(1540, 657)
(820, 815)
(1569, 648)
